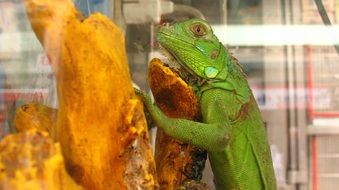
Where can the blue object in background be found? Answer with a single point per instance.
(89, 6)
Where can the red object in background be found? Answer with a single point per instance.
(310, 89)
(2, 116)
(312, 113)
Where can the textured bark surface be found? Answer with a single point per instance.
(35, 116)
(100, 124)
(176, 161)
(32, 161)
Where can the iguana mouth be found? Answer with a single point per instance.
(182, 71)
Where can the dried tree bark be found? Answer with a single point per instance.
(176, 162)
(35, 116)
(100, 123)
(32, 161)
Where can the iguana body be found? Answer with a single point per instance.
(232, 130)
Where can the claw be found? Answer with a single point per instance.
(138, 91)
(144, 97)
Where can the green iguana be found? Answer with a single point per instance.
(232, 130)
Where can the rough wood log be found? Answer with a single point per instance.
(176, 162)
(100, 124)
(35, 116)
(32, 161)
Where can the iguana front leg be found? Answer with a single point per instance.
(211, 137)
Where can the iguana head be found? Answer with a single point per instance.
(194, 46)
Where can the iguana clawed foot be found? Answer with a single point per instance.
(144, 97)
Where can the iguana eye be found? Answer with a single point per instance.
(198, 30)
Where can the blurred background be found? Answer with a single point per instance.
(288, 54)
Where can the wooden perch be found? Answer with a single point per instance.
(31, 161)
(176, 161)
(35, 116)
(100, 123)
